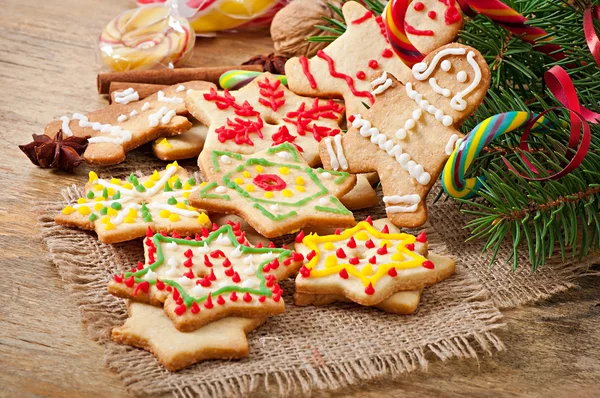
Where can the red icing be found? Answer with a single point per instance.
(220, 300)
(304, 119)
(118, 279)
(204, 282)
(379, 20)
(385, 229)
(217, 253)
(271, 245)
(419, 6)
(212, 276)
(207, 261)
(305, 272)
(239, 130)
(262, 299)
(233, 297)
(144, 286)
(422, 237)
(188, 263)
(432, 14)
(269, 182)
(338, 231)
(410, 246)
(370, 290)
(362, 19)
(392, 272)
(189, 274)
(452, 15)
(188, 253)
(129, 282)
(351, 118)
(354, 261)
(428, 264)
(382, 250)
(283, 135)
(273, 95)
(373, 64)
(277, 297)
(140, 265)
(180, 309)
(247, 297)
(340, 253)
(226, 263)
(344, 274)
(348, 79)
(305, 68)
(360, 75)
(387, 53)
(274, 264)
(229, 272)
(300, 237)
(297, 256)
(160, 285)
(369, 220)
(414, 31)
(351, 243)
(236, 277)
(208, 304)
(369, 244)
(195, 308)
(310, 255)
(373, 260)
(176, 235)
(149, 233)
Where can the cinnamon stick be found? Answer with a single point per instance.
(168, 77)
(143, 89)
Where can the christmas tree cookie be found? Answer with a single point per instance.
(210, 277)
(275, 191)
(121, 210)
(410, 132)
(367, 265)
(149, 328)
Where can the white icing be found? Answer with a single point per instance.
(189, 91)
(267, 256)
(248, 259)
(65, 126)
(402, 204)
(446, 65)
(457, 102)
(203, 249)
(417, 113)
(451, 144)
(236, 253)
(442, 91)
(248, 283)
(365, 127)
(220, 189)
(180, 88)
(382, 88)
(225, 159)
(150, 275)
(171, 245)
(274, 208)
(340, 152)
(198, 291)
(422, 71)
(172, 272)
(170, 100)
(184, 280)
(118, 134)
(409, 124)
(284, 155)
(326, 175)
(461, 76)
(323, 201)
(123, 213)
(380, 80)
(223, 240)
(126, 96)
(401, 134)
(166, 119)
(155, 118)
(337, 160)
(133, 113)
(446, 120)
(122, 118)
(171, 170)
(172, 262)
(146, 106)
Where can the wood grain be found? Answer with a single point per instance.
(47, 69)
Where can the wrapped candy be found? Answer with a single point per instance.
(216, 15)
(146, 37)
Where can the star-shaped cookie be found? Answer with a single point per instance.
(208, 278)
(408, 135)
(352, 67)
(367, 266)
(128, 122)
(122, 210)
(149, 328)
(275, 191)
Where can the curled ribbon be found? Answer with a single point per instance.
(591, 13)
(561, 85)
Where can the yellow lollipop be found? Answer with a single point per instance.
(145, 37)
(217, 15)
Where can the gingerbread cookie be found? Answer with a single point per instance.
(183, 146)
(410, 132)
(128, 122)
(366, 265)
(275, 191)
(149, 328)
(352, 67)
(264, 114)
(210, 277)
(121, 210)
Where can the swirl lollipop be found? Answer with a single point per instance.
(145, 37)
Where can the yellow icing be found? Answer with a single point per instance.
(164, 213)
(149, 183)
(287, 193)
(98, 206)
(84, 210)
(202, 219)
(329, 246)
(259, 168)
(112, 212)
(155, 176)
(284, 170)
(300, 188)
(68, 210)
(92, 177)
(246, 174)
(115, 181)
(239, 181)
(269, 195)
(174, 217)
(300, 180)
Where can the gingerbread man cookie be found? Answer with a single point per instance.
(208, 278)
(368, 266)
(128, 122)
(410, 132)
(149, 328)
(123, 210)
(352, 67)
(274, 190)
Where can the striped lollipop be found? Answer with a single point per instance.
(453, 176)
(395, 14)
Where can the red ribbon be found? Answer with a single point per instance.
(561, 85)
(591, 37)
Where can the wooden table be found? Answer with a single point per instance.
(47, 68)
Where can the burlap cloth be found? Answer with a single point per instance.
(310, 348)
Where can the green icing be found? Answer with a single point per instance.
(144, 207)
(90, 195)
(116, 206)
(178, 184)
(104, 211)
(272, 216)
(226, 229)
(140, 188)
(168, 187)
(204, 192)
(93, 217)
(117, 196)
(105, 193)
(339, 209)
(191, 181)
(286, 146)
(216, 154)
(172, 201)
(133, 179)
(147, 217)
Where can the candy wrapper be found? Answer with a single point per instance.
(145, 38)
(216, 15)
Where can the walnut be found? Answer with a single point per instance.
(295, 23)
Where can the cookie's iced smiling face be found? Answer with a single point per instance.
(455, 76)
(431, 23)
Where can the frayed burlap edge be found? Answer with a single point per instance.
(70, 251)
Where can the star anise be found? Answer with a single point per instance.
(271, 63)
(57, 152)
